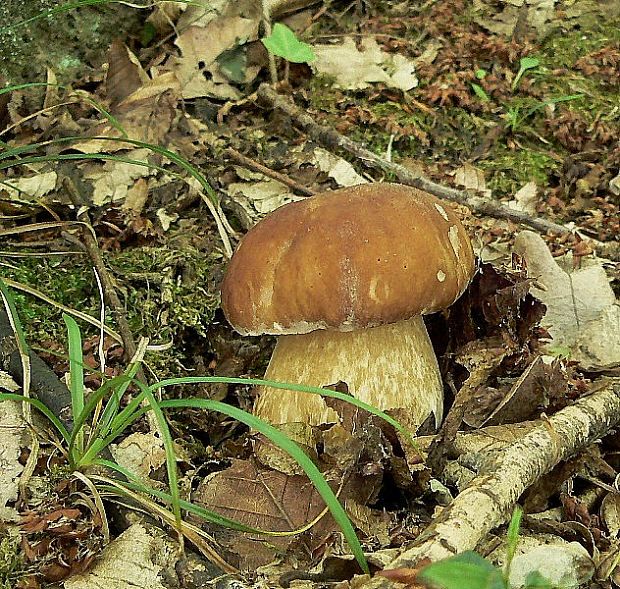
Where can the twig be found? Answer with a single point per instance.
(331, 139)
(109, 289)
(251, 164)
(489, 498)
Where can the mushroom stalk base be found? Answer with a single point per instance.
(392, 367)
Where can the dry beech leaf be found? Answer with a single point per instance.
(125, 74)
(265, 499)
(582, 314)
(354, 68)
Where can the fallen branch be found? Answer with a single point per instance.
(490, 497)
(255, 166)
(333, 140)
(91, 247)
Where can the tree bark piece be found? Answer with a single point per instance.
(333, 140)
(492, 494)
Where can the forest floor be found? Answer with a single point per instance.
(169, 145)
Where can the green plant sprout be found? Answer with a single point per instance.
(284, 43)
(101, 417)
(478, 89)
(515, 119)
(525, 64)
(469, 570)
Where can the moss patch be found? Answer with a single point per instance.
(69, 42)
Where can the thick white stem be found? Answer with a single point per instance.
(392, 367)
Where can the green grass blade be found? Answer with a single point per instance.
(94, 103)
(76, 373)
(91, 403)
(135, 484)
(173, 157)
(171, 459)
(11, 310)
(291, 448)
(292, 387)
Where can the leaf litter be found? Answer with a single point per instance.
(525, 339)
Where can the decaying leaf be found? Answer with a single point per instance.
(525, 198)
(583, 315)
(337, 168)
(30, 187)
(12, 432)
(265, 499)
(260, 196)
(140, 453)
(213, 33)
(471, 178)
(134, 559)
(113, 180)
(536, 14)
(355, 68)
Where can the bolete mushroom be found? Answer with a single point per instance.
(343, 278)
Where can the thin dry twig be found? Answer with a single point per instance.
(333, 140)
(109, 289)
(251, 164)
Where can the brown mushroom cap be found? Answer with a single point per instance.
(356, 257)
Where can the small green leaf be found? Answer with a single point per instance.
(480, 93)
(481, 74)
(536, 581)
(464, 571)
(526, 63)
(512, 538)
(284, 43)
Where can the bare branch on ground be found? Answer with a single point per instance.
(255, 166)
(490, 497)
(333, 140)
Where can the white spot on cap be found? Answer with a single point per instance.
(442, 211)
(455, 242)
(441, 276)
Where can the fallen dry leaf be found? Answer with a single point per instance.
(355, 68)
(337, 168)
(209, 37)
(583, 315)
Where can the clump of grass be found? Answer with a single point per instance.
(105, 415)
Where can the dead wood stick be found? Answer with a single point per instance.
(109, 288)
(488, 500)
(333, 140)
(251, 164)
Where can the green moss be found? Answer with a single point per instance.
(165, 291)
(508, 170)
(563, 49)
(11, 561)
(66, 41)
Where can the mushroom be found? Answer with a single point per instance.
(343, 278)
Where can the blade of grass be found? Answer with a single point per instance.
(292, 387)
(200, 538)
(76, 373)
(291, 448)
(134, 483)
(62, 430)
